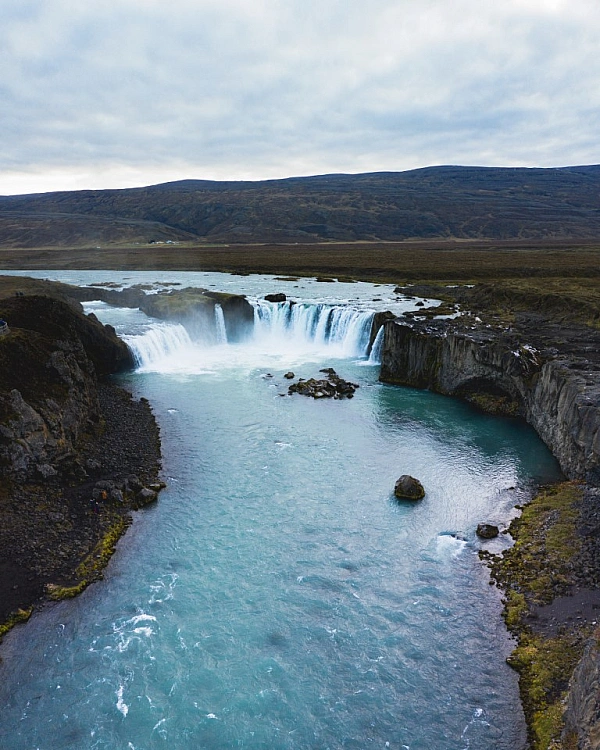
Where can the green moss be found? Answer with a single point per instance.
(544, 666)
(21, 615)
(546, 540)
(533, 572)
(103, 551)
(90, 568)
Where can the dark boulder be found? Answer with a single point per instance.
(331, 387)
(409, 488)
(279, 297)
(487, 531)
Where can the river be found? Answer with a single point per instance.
(277, 596)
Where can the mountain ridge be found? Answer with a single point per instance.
(445, 202)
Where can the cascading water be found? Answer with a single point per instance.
(377, 348)
(339, 326)
(284, 333)
(157, 342)
(220, 325)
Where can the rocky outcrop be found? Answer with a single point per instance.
(77, 453)
(582, 715)
(49, 364)
(558, 396)
(331, 387)
(554, 383)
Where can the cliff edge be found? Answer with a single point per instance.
(77, 453)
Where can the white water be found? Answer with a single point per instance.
(284, 334)
(220, 325)
(377, 348)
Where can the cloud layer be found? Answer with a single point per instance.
(122, 92)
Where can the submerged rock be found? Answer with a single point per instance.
(409, 488)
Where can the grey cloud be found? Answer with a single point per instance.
(239, 88)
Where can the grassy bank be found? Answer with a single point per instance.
(541, 568)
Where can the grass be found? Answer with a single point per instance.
(90, 568)
(21, 615)
(533, 572)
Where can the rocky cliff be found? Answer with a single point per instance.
(551, 377)
(558, 395)
(76, 452)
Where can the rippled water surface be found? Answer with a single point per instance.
(277, 596)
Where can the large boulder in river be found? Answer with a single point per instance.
(409, 488)
(279, 297)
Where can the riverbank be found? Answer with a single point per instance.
(77, 453)
(523, 363)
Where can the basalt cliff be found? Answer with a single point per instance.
(549, 375)
(504, 372)
(77, 453)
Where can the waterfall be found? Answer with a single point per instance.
(339, 326)
(283, 333)
(377, 348)
(220, 325)
(158, 342)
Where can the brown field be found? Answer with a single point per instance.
(450, 260)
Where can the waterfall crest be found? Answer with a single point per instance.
(158, 342)
(284, 331)
(324, 325)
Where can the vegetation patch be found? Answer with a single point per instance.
(21, 615)
(532, 573)
(90, 568)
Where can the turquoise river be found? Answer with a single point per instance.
(277, 596)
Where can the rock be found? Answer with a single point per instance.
(289, 375)
(133, 484)
(279, 297)
(46, 471)
(409, 488)
(582, 714)
(487, 531)
(332, 387)
(145, 496)
(93, 465)
(559, 397)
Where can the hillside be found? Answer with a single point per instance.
(475, 203)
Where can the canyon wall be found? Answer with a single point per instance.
(559, 396)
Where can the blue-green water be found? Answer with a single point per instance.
(277, 596)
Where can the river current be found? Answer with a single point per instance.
(277, 596)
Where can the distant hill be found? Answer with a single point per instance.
(436, 202)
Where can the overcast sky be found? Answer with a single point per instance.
(115, 93)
